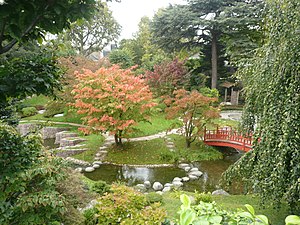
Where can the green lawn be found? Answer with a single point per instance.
(197, 152)
(158, 124)
(140, 152)
(172, 204)
(39, 100)
(93, 143)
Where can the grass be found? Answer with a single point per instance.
(197, 152)
(139, 152)
(158, 124)
(93, 143)
(69, 117)
(39, 100)
(172, 204)
(225, 122)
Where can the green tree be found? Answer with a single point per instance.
(272, 85)
(203, 22)
(29, 20)
(144, 52)
(88, 36)
(121, 57)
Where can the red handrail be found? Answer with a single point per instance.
(228, 137)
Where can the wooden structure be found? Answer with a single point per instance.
(227, 137)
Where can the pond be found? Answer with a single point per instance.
(212, 171)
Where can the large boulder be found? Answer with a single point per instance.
(220, 192)
(147, 184)
(157, 186)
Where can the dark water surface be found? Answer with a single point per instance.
(212, 171)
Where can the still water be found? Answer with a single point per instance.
(212, 171)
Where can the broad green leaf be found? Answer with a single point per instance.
(187, 217)
(250, 209)
(215, 219)
(246, 215)
(263, 219)
(292, 220)
(185, 200)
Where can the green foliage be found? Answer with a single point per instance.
(292, 220)
(28, 180)
(209, 213)
(100, 187)
(203, 197)
(90, 216)
(169, 156)
(30, 20)
(34, 70)
(53, 108)
(127, 206)
(153, 197)
(272, 84)
(29, 111)
(122, 57)
(88, 36)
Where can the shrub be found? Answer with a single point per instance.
(90, 216)
(29, 111)
(127, 206)
(203, 197)
(153, 197)
(54, 108)
(169, 157)
(100, 187)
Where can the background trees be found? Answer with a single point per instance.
(88, 36)
(204, 23)
(30, 20)
(112, 100)
(272, 104)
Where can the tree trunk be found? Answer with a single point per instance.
(188, 142)
(214, 61)
(118, 140)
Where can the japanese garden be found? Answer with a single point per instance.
(194, 120)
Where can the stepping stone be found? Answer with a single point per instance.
(166, 189)
(168, 185)
(103, 148)
(97, 158)
(192, 177)
(79, 169)
(97, 162)
(187, 169)
(157, 186)
(147, 184)
(96, 166)
(182, 165)
(196, 173)
(177, 183)
(194, 169)
(185, 179)
(89, 169)
(177, 179)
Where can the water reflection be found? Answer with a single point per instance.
(212, 171)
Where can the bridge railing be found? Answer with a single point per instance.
(227, 134)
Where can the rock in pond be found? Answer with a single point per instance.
(183, 165)
(96, 166)
(79, 169)
(89, 169)
(166, 189)
(194, 169)
(177, 179)
(187, 169)
(185, 179)
(141, 187)
(177, 183)
(97, 162)
(192, 177)
(147, 184)
(196, 173)
(157, 186)
(220, 192)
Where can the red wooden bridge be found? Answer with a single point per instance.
(227, 137)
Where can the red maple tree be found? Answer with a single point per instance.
(195, 111)
(113, 100)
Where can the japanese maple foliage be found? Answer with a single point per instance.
(194, 109)
(112, 99)
(168, 77)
